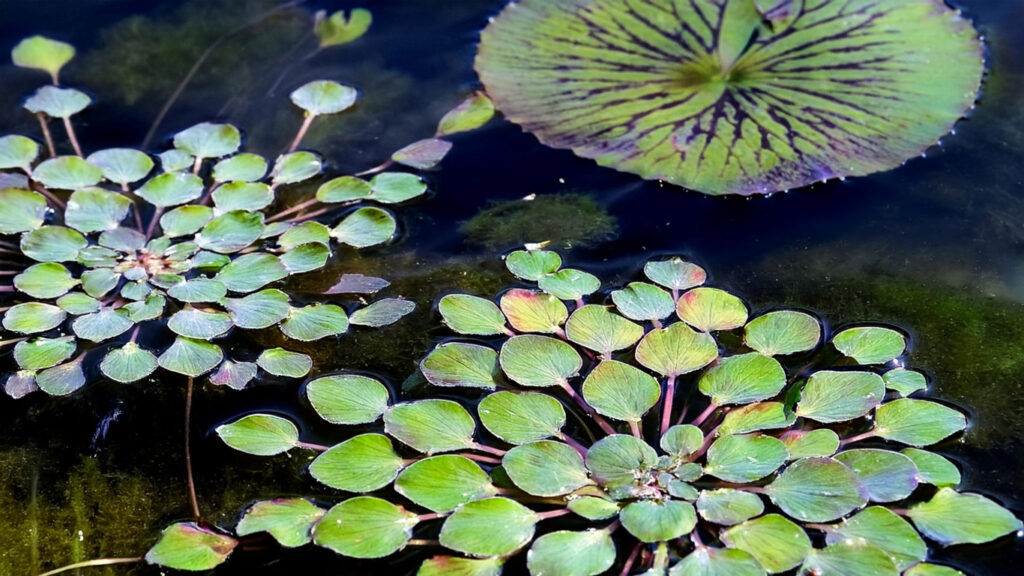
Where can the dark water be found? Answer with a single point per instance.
(935, 247)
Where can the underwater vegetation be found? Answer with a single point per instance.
(736, 96)
(667, 429)
(566, 220)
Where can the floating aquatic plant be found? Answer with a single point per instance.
(734, 96)
(791, 449)
(199, 244)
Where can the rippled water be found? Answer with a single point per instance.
(935, 247)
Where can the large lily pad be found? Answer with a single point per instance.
(704, 94)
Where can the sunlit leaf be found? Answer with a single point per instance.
(362, 463)
(532, 311)
(443, 483)
(250, 272)
(45, 280)
(324, 97)
(468, 314)
(365, 227)
(33, 317)
(461, 364)
(567, 553)
(905, 382)
(243, 167)
(281, 362)
(807, 443)
(395, 187)
(870, 344)
(886, 476)
(78, 303)
(423, 154)
(186, 546)
(545, 468)
(885, 530)
(593, 508)
(21, 210)
(682, 440)
(727, 506)
(754, 417)
(365, 527)
(208, 140)
(783, 332)
(616, 459)
(849, 558)
(569, 284)
(260, 434)
(489, 527)
(708, 309)
(705, 561)
(191, 357)
(383, 312)
(57, 102)
(295, 167)
(777, 543)
(743, 379)
(533, 265)
(17, 152)
(61, 380)
(171, 189)
(917, 422)
(198, 324)
(745, 458)
(251, 196)
(954, 518)
(654, 521)
(336, 29)
(620, 391)
(430, 426)
(314, 322)
(831, 396)
(94, 210)
(128, 363)
(475, 111)
(458, 566)
(258, 310)
(175, 160)
(289, 520)
(42, 53)
(231, 232)
(539, 361)
(52, 244)
(676, 350)
(932, 468)
(42, 353)
(518, 418)
(344, 189)
(597, 328)
(817, 490)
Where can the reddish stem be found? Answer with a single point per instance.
(704, 415)
(858, 438)
(298, 207)
(71, 136)
(588, 408)
(553, 513)
(306, 122)
(666, 409)
(46, 134)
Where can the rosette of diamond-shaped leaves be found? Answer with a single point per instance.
(792, 452)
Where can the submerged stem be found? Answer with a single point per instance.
(188, 452)
(91, 563)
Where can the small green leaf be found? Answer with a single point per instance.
(489, 527)
(886, 476)
(569, 553)
(468, 314)
(365, 527)
(475, 111)
(61, 380)
(927, 569)
(461, 364)
(186, 546)
(641, 301)
(743, 379)
(43, 54)
(817, 490)
(727, 506)
(777, 543)
(78, 303)
(256, 311)
(676, 350)
(870, 344)
(128, 363)
(430, 426)
(365, 227)
(932, 468)
(521, 417)
(539, 361)
(57, 102)
(21, 211)
(234, 375)
(305, 233)
(33, 317)
(344, 189)
(103, 325)
(260, 434)
(171, 189)
(754, 417)
(597, 328)
(682, 440)
(362, 463)
(654, 521)
(708, 309)
(17, 152)
(191, 357)
(917, 422)
(306, 258)
(67, 173)
(185, 220)
(616, 459)
(545, 468)
(532, 311)
(231, 232)
(443, 483)
(95, 210)
(745, 458)
(175, 160)
(532, 265)
(289, 520)
(954, 518)
(569, 284)
(458, 566)
(620, 391)
(45, 280)
(782, 332)
(251, 196)
(883, 529)
(853, 559)
(243, 167)
(383, 312)
(198, 324)
(41, 353)
(314, 322)
(395, 187)
(208, 140)
(423, 154)
(905, 382)
(348, 398)
(337, 29)
(250, 272)
(830, 396)
(808, 443)
(198, 290)
(705, 561)
(324, 97)
(594, 508)
(52, 244)
(152, 307)
(281, 362)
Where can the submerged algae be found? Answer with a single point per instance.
(566, 220)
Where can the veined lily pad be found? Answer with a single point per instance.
(208, 140)
(365, 227)
(382, 312)
(518, 418)
(904, 382)
(569, 553)
(128, 363)
(431, 426)
(620, 391)
(954, 518)
(305, 233)
(675, 274)
(727, 506)
(853, 558)
(348, 398)
(726, 94)
(198, 290)
(708, 309)
(171, 189)
(122, 165)
(783, 332)
(260, 434)
(257, 310)
(62, 379)
(533, 265)
(52, 244)
(33, 317)
(17, 152)
(191, 357)
(653, 521)
(593, 507)
(539, 361)
(745, 458)
(175, 160)
(67, 173)
(22, 210)
(754, 417)
(57, 102)
(808, 443)
(676, 350)
(281, 362)
(468, 314)
(249, 196)
(250, 272)
(932, 468)
(243, 167)
(103, 325)
(78, 303)
(234, 375)
(917, 422)
(362, 463)
(45, 280)
(42, 353)
(231, 232)
(95, 210)
(817, 490)
(532, 311)
(597, 328)
(314, 322)
(830, 396)
(616, 459)
(186, 546)
(489, 527)
(569, 284)
(706, 561)
(743, 379)
(461, 364)
(886, 476)
(545, 468)
(196, 324)
(395, 187)
(870, 344)
(289, 520)
(776, 542)
(641, 301)
(365, 527)
(443, 483)
(885, 530)
(682, 440)
(324, 97)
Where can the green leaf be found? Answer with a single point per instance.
(256, 311)
(365, 527)
(324, 97)
(52, 244)
(468, 314)
(870, 344)
(41, 353)
(745, 458)
(830, 396)
(344, 189)
(21, 211)
(45, 281)
(489, 527)
(243, 167)
(33, 317)
(519, 418)
(461, 364)
(458, 566)
(365, 227)
(198, 324)
(231, 232)
(260, 434)
(532, 265)
(926, 569)
(682, 440)
(641, 301)
(675, 274)
(727, 506)
(250, 272)
(314, 322)
(708, 309)
(954, 518)
(191, 357)
(743, 379)
(443, 483)
(17, 152)
(175, 160)
(886, 476)
(78, 303)
(289, 520)
(348, 398)
(128, 240)
(61, 380)
(569, 284)
(774, 541)
(122, 165)
(905, 382)
(539, 361)
(234, 375)
(653, 521)
(198, 290)
(676, 350)
(593, 508)
(705, 561)
(932, 468)
(532, 311)
(186, 546)
(43, 54)
(251, 196)
(171, 189)
(616, 459)
(475, 111)
(305, 233)
(620, 391)
(152, 307)
(128, 363)
(917, 422)
(306, 258)
(383, 312)
(754, 417)
(597, 328)
(430, 426)
(569, 553)
(807, 443)
(94, 210)
(281, 362)
(782, 332)
(57, 102)
(817, 490)
(854, 559)
(67, 173)
(395, 187)
(208, 140)
(336, 29)
(423, 154)
(545, 468)
(362, 463)
(884, 530)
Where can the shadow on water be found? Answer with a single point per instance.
(935, 247)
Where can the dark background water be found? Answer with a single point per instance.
(934, 247)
